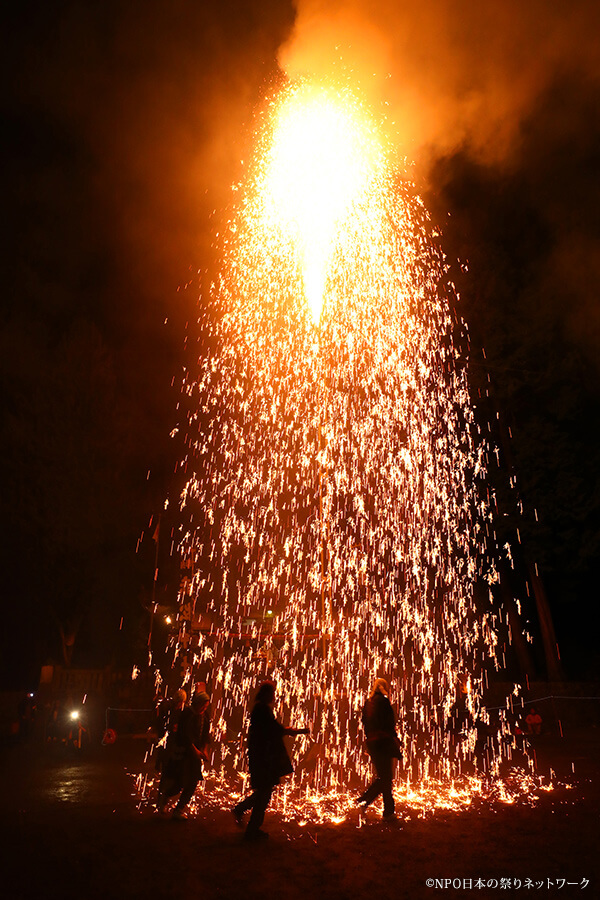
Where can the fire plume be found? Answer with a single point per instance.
(322, 161)
(335, 526)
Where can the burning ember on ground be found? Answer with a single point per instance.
(337, 525)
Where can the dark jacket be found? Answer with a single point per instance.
(379, 722)
(193, 730)
(268, 758)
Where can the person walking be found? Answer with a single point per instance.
(383, 746)
(268, 760)
(168, 713)
(184, 768)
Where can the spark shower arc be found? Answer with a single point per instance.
(334, 527)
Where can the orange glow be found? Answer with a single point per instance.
(336, 478)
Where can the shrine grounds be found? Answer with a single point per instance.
(71, 828)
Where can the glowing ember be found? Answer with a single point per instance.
(335, 527)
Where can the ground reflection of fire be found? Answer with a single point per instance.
(334, 807)
(337, 525)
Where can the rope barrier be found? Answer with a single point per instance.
(519, 701)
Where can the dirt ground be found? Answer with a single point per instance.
(71, 828)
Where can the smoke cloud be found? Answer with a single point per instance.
(454, 74)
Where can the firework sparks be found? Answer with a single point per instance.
(336, 529)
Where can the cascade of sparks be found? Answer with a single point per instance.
(335, 523)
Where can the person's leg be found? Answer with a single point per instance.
(191, 775)
(386, 778)
(372, 792)
(170, 783)
(188, 791)
(242, 807)
(383, 762)
(375, 788)
(261, 798)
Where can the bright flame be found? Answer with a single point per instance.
(338, 482)
(322, 159)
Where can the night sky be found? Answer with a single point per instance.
(124, 126)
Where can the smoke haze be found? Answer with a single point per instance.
(124, 128)
(454, 73)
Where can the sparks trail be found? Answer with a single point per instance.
(335, 525)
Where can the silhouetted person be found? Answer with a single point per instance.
(183, 769)
(268, 760)
(166, 709)
(167, 720)
(383, 745)
(533, 720)
(53, 723)
(26, 712)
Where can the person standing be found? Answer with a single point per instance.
(268, 760)
(383, 746)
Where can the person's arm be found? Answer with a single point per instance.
(205, 731)
(294, 731)
(390, 718)
(364, 717)
(189, 734)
